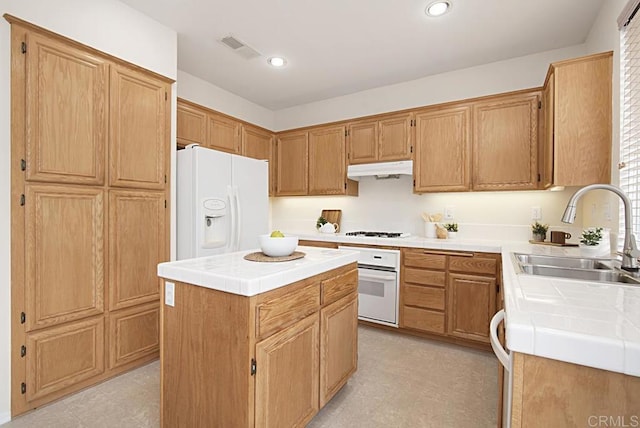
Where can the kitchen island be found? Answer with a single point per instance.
(249, 344)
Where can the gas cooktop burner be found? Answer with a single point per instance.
(378, 234)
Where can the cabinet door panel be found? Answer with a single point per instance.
(424, 297)
(223, 134)
(363, 142)
(134, 333)
(327, 163)
(505, 148)
(287, 379)
(139, 132)
(472, 303)
(545, 162)
(423, 319)
(66, 115)
(64, 254)
(443, 150)
(63, 356)
(339, 345)
(395, 138)
(292, 158)
(191, 124)
(258, 144)
(137, 237)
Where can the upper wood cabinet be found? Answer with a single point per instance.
(66, 112)
(384, 140)
(327, 161)
(223, 133)
(545, 142)
(578, 121)
(293, 156)
(139, 149)
(191, 125)
(505, 143)
(443, 149)
(258, 143)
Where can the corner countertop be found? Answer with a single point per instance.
(593, 324)
(233, 274)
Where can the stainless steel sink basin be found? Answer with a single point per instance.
(564, 262)
(598, 275)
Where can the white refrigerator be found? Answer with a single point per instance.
(222, 202)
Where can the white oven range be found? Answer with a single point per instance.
(378, 285)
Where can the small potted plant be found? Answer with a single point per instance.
(452, 229)
(539, 231)
(591, 240)
(320, 222)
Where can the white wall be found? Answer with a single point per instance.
(206, 94)
(107, 25)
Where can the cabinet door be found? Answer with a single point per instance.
(363, 142)
(191, 124)
(292, 158)
(258, 144)
(134, 333)
(223, 134)
(505, 143)
(338, 345)
(137, 242)
(443, 150)
(64, 254)
(327, 163)
(472, 303)
(66, 113)
(545, 162)
(395, 138)
(139, 147)
(287, 376)
(582, 122)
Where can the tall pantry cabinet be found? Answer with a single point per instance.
(90, 160)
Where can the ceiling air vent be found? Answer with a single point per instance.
(240, 47)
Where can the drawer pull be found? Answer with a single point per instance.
(449, 253)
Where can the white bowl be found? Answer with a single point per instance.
(278, 247)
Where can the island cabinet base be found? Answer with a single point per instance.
(270, 360)
(551, 393)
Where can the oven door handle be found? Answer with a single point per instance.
(379, 277)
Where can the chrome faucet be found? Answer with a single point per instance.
(630, 251)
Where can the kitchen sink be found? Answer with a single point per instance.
(584, 269)
(565, 262)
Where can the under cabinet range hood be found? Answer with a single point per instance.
(380, 169)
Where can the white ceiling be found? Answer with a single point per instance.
(338, 47)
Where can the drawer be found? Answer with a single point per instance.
(475, 264)
(423, 319)
(417, 258)
(340, 286)
(273, 315)
(424, 277)
(425, 297)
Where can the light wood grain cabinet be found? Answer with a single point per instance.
(66, 111)
(327, 162)
(289, 351)
(223, 133)
(258, 143)
(293, 164)
(384, 140)
(577, 129)
(134, 333)
(505, 143)
(443, 149)
(191, 125)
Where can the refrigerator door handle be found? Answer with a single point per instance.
(232, 216)
(238, 215)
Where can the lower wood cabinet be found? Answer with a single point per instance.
(449, 293)
(271, 360)
(134, 333)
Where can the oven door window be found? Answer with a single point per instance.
(377, 294)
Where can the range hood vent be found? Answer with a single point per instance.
(380, 170)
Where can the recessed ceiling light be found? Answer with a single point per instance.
(277, 61)
(438, 8)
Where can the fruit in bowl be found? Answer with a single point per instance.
(277, 244)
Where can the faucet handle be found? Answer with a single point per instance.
(633, 251)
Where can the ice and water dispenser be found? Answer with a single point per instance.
(215, 222)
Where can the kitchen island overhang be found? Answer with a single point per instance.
(256, 344)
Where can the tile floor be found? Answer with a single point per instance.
(401, 381)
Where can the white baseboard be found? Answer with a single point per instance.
(5, 417)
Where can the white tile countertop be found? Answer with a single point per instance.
(233, 274)
(588, 323)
